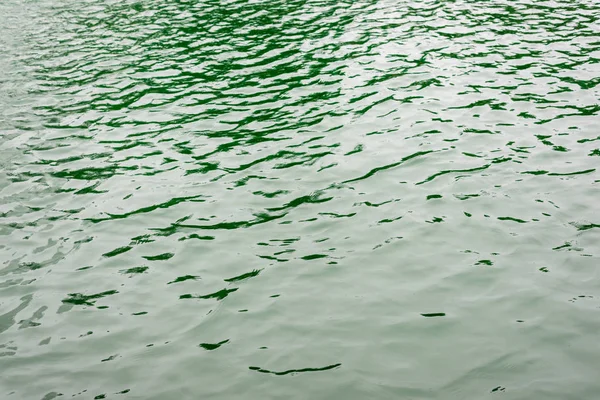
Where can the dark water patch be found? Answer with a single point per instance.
(219, 295)
(245, 276)
(294, 371)
(117, 251)
(183, 279)
(433, 315)
(89, 299)
(213, 346)
(196, 236)
(160, 257)
(314, 257)
(134, 270)
(513, 219)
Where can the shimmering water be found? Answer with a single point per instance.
(299, 199)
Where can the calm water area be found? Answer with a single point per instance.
(300, 199)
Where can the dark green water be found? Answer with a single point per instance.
(376, 199)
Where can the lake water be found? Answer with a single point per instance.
(299, 199)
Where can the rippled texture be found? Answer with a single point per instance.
(377, 199)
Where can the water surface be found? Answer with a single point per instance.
(299, 199)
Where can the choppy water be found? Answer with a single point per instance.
(376, 199)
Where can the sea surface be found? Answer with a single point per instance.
(300, 199)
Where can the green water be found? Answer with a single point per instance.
(375, 199)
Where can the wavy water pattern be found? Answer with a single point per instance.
(375, 199)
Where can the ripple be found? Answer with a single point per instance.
(295, 371)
